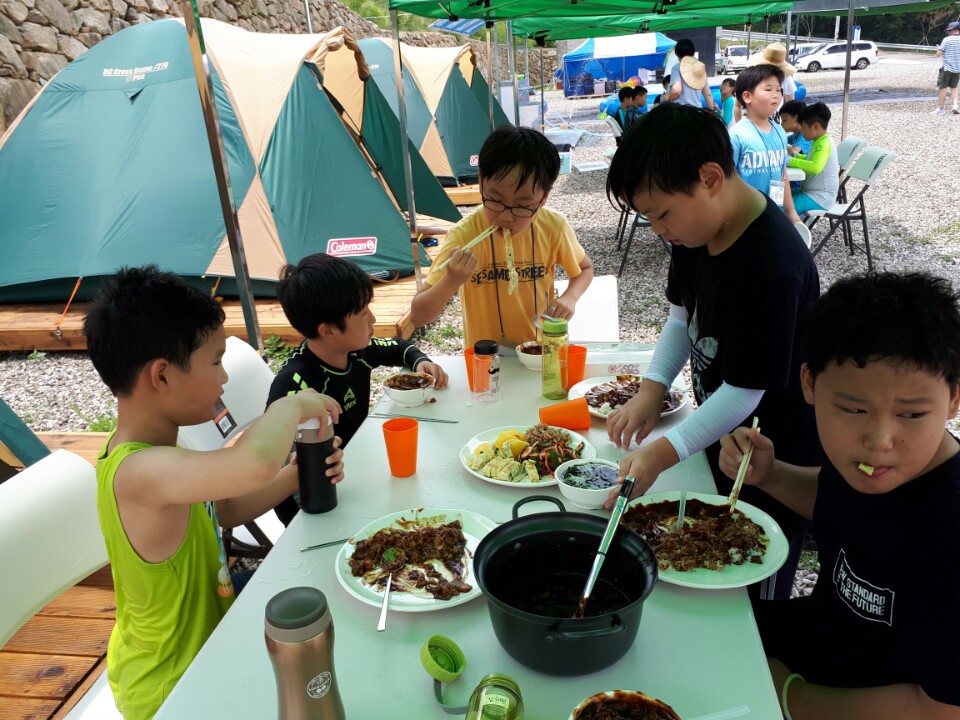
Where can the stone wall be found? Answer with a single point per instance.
(39, 37)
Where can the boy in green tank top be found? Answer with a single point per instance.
(157, 343)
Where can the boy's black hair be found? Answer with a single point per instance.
(666, 81)
(142, 314)
(684, 48)
(909, 318)
(793, 108)
(625, 93)
(750, 77)
(526, 150)
(816, 113)
(728, 82)
(322, 289)
(664, 151)
(639, 91)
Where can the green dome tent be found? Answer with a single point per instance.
(109, 165)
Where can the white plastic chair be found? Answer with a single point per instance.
(614, 126)
(804, 232)
(57, 491)
(866, 169)
(245, 398)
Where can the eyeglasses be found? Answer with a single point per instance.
(518, 211)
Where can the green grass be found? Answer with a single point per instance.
(810, 561)
(36, 356)
(104, 422)
(277, 352)
(437, 335)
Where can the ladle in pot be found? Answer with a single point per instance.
(622, 499)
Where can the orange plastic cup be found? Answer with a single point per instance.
(569, 414)
(400, 436)
(576, 364)
(468, 357)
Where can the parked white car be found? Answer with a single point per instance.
(802, 49)
(736, 58)
(833, 56)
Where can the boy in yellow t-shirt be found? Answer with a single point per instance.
(517, 170)
(158, 343)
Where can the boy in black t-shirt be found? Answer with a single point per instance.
(327, 300)
(878, 638)
(739, 286)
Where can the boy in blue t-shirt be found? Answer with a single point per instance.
(727, 101)
(759, 145)
(790, 122)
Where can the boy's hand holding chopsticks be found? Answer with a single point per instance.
(461, 263)
(735, 447)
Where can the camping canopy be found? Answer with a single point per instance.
(612, 58)
(110, 166)
(446, 119)
(516, 9)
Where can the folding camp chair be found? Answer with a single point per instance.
(244, 399)
(804, 232)
(866, 169)
(639, 221)
(58, 491)
(847, 153)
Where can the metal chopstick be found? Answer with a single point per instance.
(414, 417)
(341, 541)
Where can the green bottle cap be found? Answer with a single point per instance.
(554, 325)
(442, 658)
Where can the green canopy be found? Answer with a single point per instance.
(515, 9)
(569, 28)
(861, 11)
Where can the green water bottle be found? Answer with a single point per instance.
(497, 697)
(554, 373)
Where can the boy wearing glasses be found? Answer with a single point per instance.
(517, 169)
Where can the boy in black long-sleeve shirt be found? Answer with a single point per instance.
(327, 300)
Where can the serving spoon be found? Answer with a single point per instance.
(392, 559)
(622, 499)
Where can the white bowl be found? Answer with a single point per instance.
(530, 362)
(409, 398)
(644, 699)
(586, 498)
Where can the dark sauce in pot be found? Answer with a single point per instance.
(556, 595)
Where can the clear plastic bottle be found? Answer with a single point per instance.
(554, 373)
(486, 371)
(497, 697)
(298, 630)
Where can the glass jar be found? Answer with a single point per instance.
(554, 373)
(486, 371)
(497, 697)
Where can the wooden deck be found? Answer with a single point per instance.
(33, 327)
(464, 194)
(49, 664)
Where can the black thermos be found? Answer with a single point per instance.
(314, 446)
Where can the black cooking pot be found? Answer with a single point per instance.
(533, 569)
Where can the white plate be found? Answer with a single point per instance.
(584, 386)
(732, 576)
(466, 452)
(475, 527)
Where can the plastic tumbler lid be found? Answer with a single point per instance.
(311, 424)
(296, 608)
(442, 658)
(485, 347)
(554, 325)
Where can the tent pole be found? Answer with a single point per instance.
(787, 33)
(526, 60)
(405, 148)
(543, 90)
(496, 64)
(490, 72)
(846, 73)
(306, 7)
(749, 31)
(512, 69)
(191, 18)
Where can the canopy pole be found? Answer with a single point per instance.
(526, 60)
(512, 69)
(846, 73)
(490, 72)
(405, 148)
(787, 33)
(496, 64)
(749, 31)
(306, 7)
(191, 21)
(543, 92)
(766, 40)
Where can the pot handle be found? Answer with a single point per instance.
(520, 503)
(617, 626)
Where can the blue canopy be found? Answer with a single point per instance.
(613, 59)
(467, 26)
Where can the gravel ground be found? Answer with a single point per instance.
(913, 215)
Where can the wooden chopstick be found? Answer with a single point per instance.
(742, 471)
(482, 236)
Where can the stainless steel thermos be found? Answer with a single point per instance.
(299, 635)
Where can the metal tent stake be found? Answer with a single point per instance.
(191, 21)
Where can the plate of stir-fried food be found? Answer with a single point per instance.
(521, 456)
(713, 548)
(428, 551)
(611, 392)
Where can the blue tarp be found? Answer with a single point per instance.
(461, 27)
(613, 58)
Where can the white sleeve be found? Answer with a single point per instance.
(789, 86)
(725, 410)
(673, 348)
